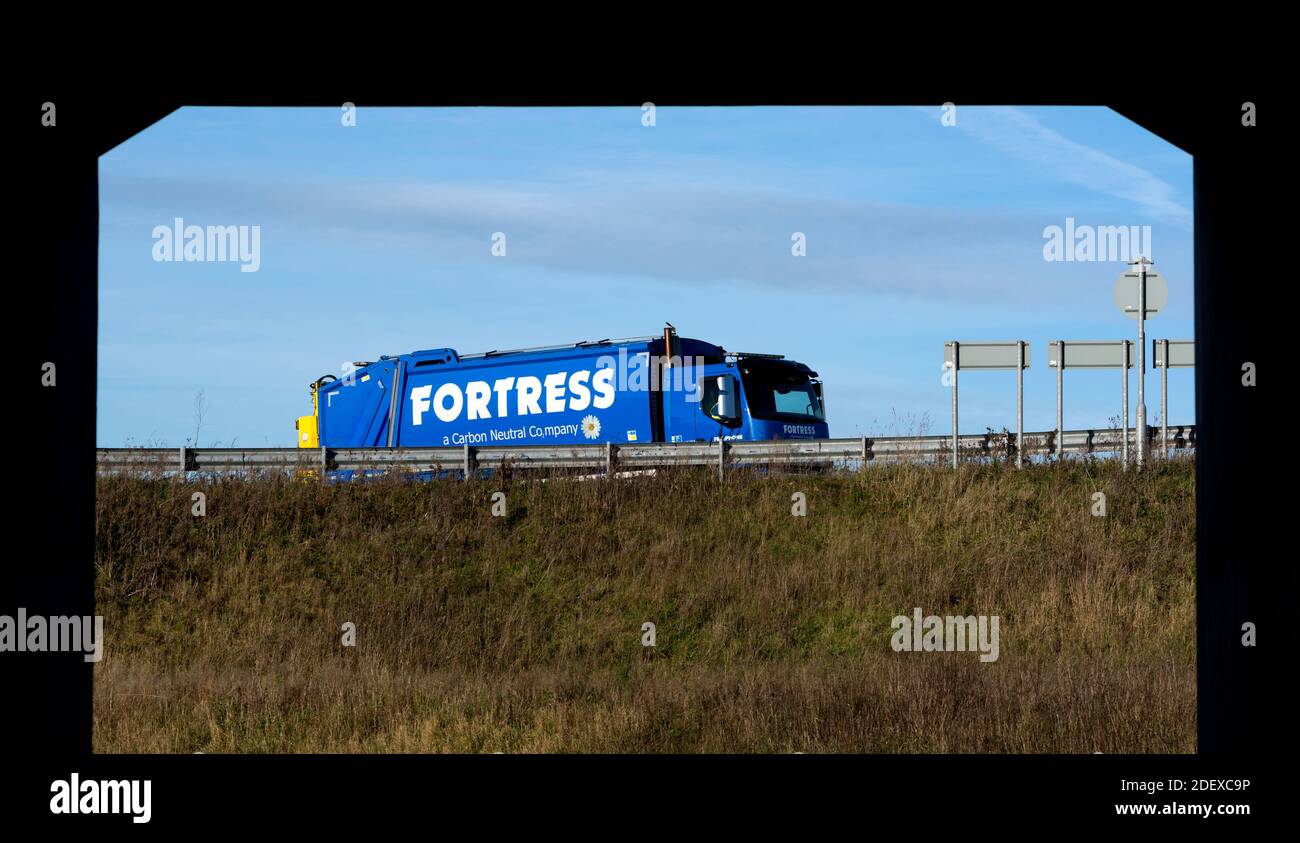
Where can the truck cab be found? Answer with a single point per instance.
(751, 396)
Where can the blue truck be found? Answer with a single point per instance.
(659, 388)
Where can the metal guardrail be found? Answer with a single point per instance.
(468, 459)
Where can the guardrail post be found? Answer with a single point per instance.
(469, 463)
(610, 451)
(864, 454)
(324, 462)
(722, 457)
(184, 461)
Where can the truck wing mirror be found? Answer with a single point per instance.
(726, 397)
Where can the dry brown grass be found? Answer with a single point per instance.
(522, 634)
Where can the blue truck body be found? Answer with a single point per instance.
(620, 391)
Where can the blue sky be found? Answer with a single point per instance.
(376, 238)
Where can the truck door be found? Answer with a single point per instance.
(711, 408)
(718, 413)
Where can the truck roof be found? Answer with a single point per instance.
(564, 346)
(686, 346)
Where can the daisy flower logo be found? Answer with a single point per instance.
(590, 427)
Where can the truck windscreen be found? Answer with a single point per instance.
(778, 390)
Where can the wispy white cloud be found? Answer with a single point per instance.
(679, 234)
(1022, 136)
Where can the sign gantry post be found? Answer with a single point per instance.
(1166, 353)
(1020, 399)
(1089, 354)
(1060, 398)
(1124, 434)
(987, 355)
(1141, 292)
(953, 364)
(1142, 363)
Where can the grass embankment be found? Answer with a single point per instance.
(477, 633)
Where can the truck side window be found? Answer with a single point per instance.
(709, 394)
